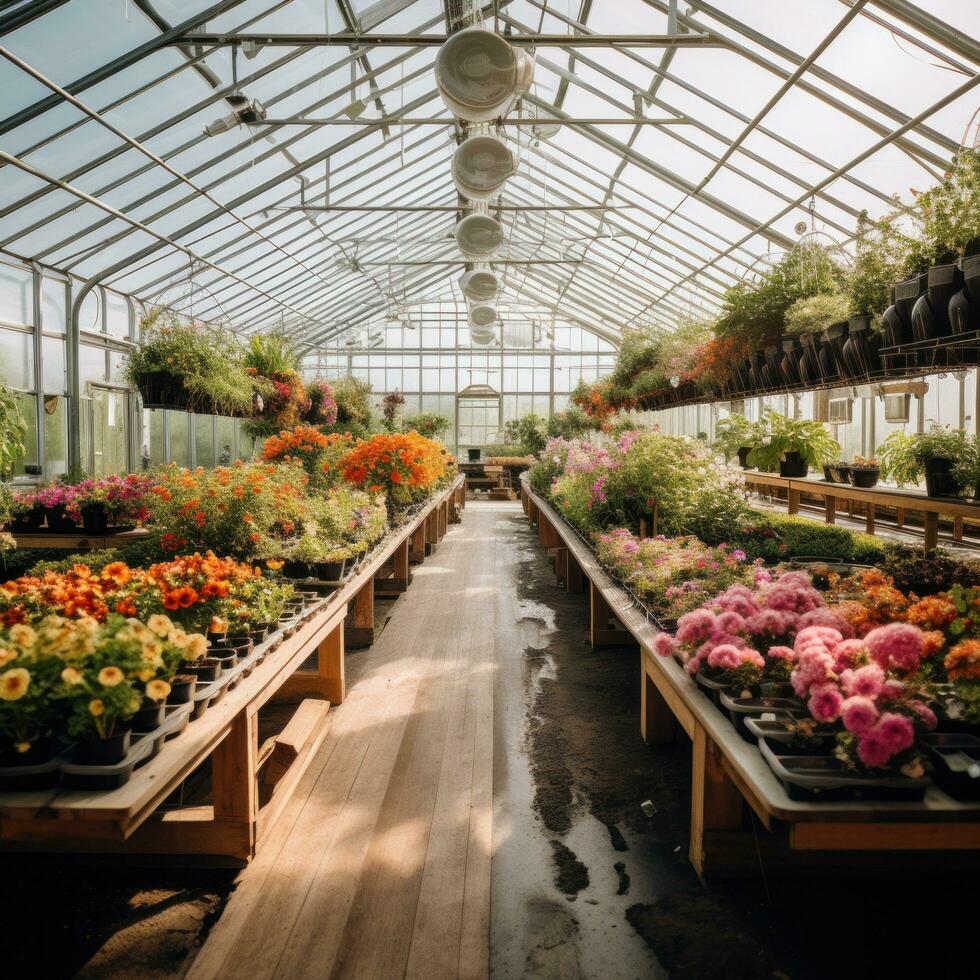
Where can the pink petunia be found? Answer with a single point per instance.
(781, 653)
(817, 634)
(891, 690)
(849, 653)
(730, 621)
(824, 617)
(695, 626)
(926, 715)
(873, 749)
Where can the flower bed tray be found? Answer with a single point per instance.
(824, 777)
(955, 763)
(742, 709)
(781, 740)
(41, 776)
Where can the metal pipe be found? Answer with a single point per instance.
(694, 40)
(446, 207)
(452, 121)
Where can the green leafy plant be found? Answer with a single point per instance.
(12, 431)
(882, 256)
(951, 210)
(570, 423)
(774, 536)
(780, 435)
(271, 353)
(528, 432)
(903, 455)
(432, 425)
(899, 460)
(732, 433)
(967, 468)
(353, 397)
(811, 314)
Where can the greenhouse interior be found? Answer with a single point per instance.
(489, 489)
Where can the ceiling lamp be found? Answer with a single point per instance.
(481, 165)
(478, 235)
(479, 74)
(483, 335)
(479, 284)
(483, 315)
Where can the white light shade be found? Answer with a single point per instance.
(479, 74)
(545, 131)
(478, 235)
(481, 166)
(482, 335)
(479, 284)
(483, 315)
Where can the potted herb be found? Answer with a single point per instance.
(734, 436)
(864, 472)
(967, 468)
(795, 445)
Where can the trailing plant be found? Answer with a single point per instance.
(898, 459)
(811, 314)
(205, 360)
(779, 435)
(323, 404)
(679, 347)
(13, 429)
(353, 404)
(903, 455)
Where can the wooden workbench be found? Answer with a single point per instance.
(243, 807)
(729, 773)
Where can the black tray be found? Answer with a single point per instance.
(955, 763)
(782, 741)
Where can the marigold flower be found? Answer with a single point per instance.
(157, 690)
(111, 676)
(14, 683)
(96, 707)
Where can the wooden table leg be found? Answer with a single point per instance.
(401, 576)
(547, 535)
(716, 803)
(360, 628)
(793, 501)
(869, 523)
(604, 628)
(957, 528)
(931, 524)
(431, 533)
(233, 777)
(575, 579)
(899, 517)
(656, 718)
(416, 545)
(830, 508)
(561, 565)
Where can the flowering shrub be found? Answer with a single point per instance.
(403, 465)
(228, 509)
(323, 404)
(672, 575)
(318, 454)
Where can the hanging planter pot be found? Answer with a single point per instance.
(939, 479)
(756, 363)
(789, 368)
(743, 457)
(964, 311)
(774, 358)
(810, 358)
(161, 389)
(835, 336)
(740, 376)
(793, 464)
(863, 347)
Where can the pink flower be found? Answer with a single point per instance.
(775, 622)
(737, 598)
(926, 715)
(725, 657)
(824, 617)
(813, 667)
(864, 682)
(896, 645)
(781, 653)
(822, 635)
(664, 645)
(825, 702)
(896, 730)
(891, 690)
(859, 714)
(849, 653)
(730, 621)
(873, 749)
(695, 626)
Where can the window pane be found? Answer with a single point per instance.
(28, 409)
(53, 354)
(177, 430)
(117, 316)
(203, 441)
(55, 436)
(53, 310)
(16, 295)
(91, 363)
(17, 359)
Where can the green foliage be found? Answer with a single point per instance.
(811, 314)
(6, 505)
(902, 456)
(271, 353)
(755, 312)
(928, 573)
(432, 425)
(353, 401)
(529, 432)
(207, 361)
(951, 210)
(773, 536)
(571, 423)
(967, 468)
(881, 259)
(679, 346)
(778, 434)
(12, 431)
(731, 434)
(503, 449)
(898, 459)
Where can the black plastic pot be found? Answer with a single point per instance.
(58, 520)
(810, 359)
(473, 455)
(865, 476)
(835, 336)
(103, 751)
(828, 474)
(862, 350)
(773, 365)
(740, 376)
(331, 571)
(840, 472)
(955, 763)
(28, 520)
(41, 751)
(95, 519)
(939, 479)
(296, 569)
(789, 367)
(793, 464)
(149, 716)
(161, 389)
(182, 688)
(756, 362)
(896, 323)
(964, 312)
(257, 636)
(743, 456)
(206, 669)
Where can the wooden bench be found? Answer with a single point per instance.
(78, 540)
(250, 785)
(932, 508)
(731, 782)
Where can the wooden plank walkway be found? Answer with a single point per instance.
(380, 866)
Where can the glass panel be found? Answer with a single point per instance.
(16, 359)
(55, 437)
(177, 427)
(117, 316)
(203, 440)
(107, 432)
(53, 305)
(28, 409)
(53, 357)
(91, 363)
(16, 295)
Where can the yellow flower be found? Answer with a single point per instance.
(111, 676)
(152, 651)
(6, 655)
(23, 747)
(13, 684)
(71, 676)
(96, 707)
(161, 625)
(197, 646)
(179, 638)
(157, 690)
(145, 675)
(22, 635)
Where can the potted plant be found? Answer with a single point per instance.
(26, 512)
(813, 316)
(864, 472)
(967, 468)
(939, 449)
(795, 445)
(734, 436)
(55, 499)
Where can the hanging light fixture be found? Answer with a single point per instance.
(482, 315)
(479, 74)
(478, 235)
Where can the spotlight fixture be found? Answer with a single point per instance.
(244, 111)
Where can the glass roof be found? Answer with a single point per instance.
(707, 154)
